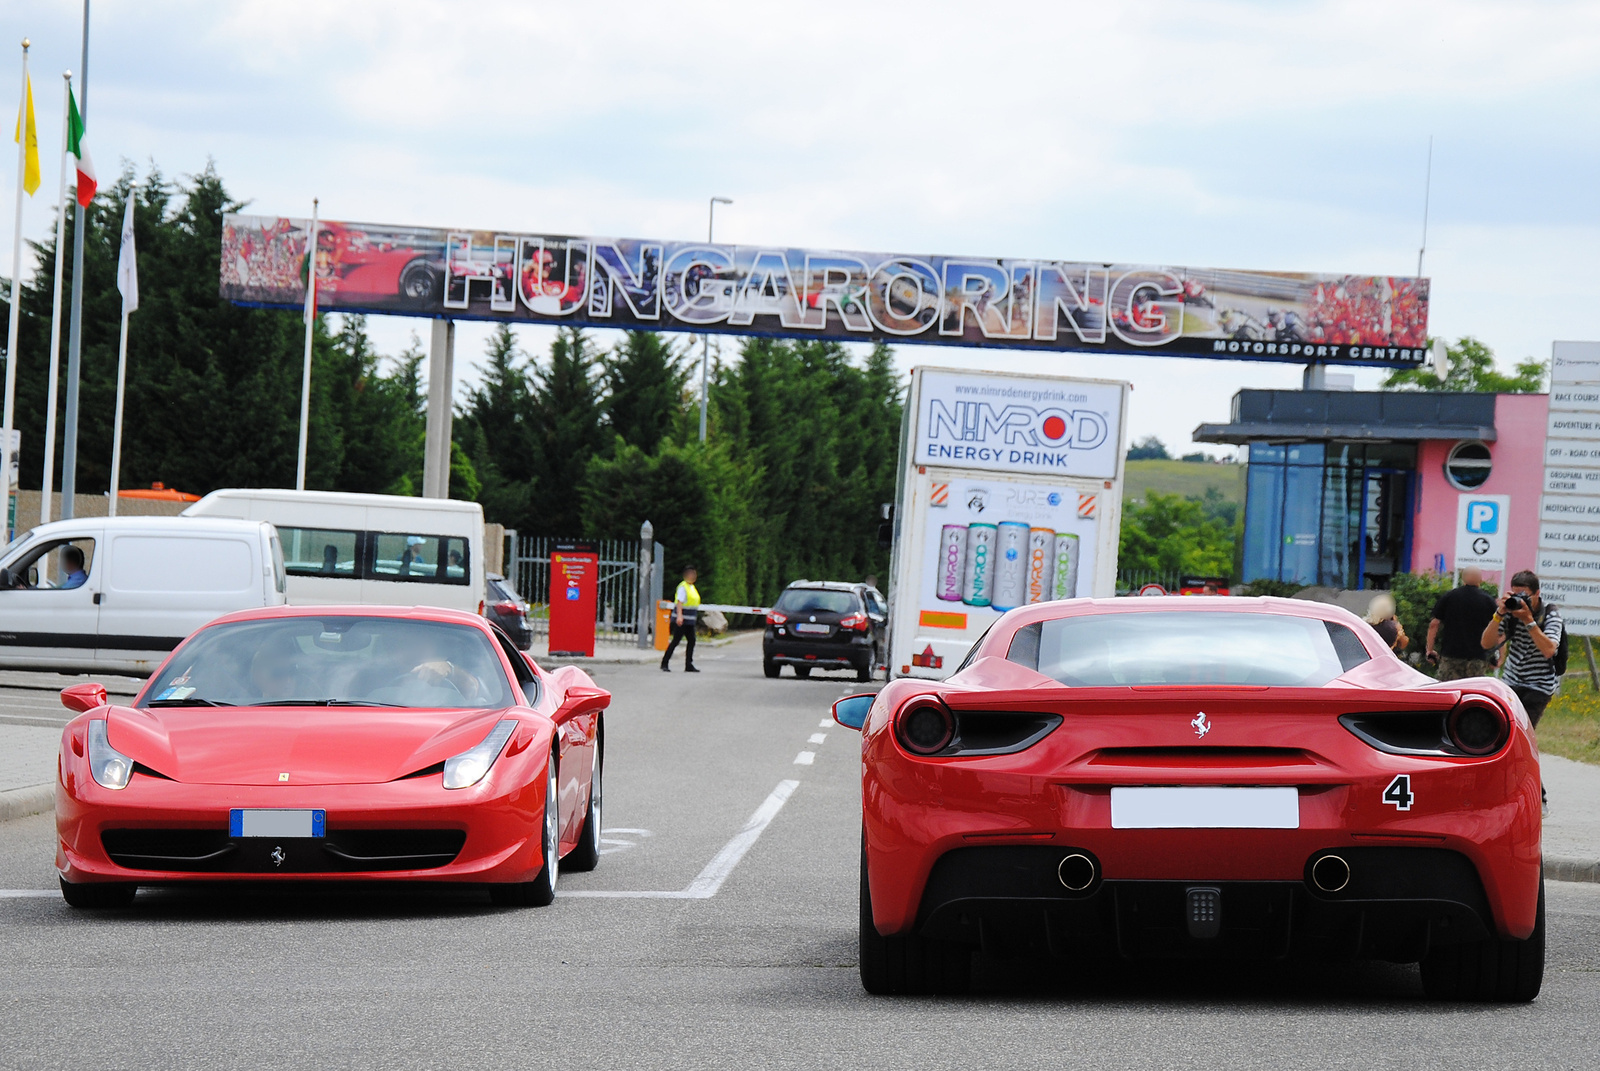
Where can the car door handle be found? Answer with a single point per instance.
(97, 598)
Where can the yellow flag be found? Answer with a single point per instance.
(28, 138)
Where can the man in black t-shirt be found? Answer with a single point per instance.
(1459, 618)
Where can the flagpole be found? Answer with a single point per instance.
(69, 408)
(9, 421)
(46, 488)
(305, 374)
(122, 362)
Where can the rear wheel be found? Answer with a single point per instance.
(104, 894)
(906, 963)
(770, 668)
(542, 889)
(802, 672)
(864, 670)
(1498, 969)
(586, 856)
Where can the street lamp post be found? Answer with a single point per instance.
(705, 351)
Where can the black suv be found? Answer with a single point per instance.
(818, 624)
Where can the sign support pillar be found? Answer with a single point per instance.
(441, 381)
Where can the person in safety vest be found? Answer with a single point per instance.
(685, 615)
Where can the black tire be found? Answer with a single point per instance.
(586, 856)
(770, 668)
(418, 282)
(864, 671)
(1499, 970)
(802, 672)
(906, 963)
(104, 894)
(542, 889)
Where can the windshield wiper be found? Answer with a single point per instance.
(321, 703)
(189, 701)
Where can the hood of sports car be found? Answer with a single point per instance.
(312, 745)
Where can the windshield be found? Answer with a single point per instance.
(1183, 647)
(816, 601)
(334, 660)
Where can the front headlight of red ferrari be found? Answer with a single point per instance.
(473, 765)
(109, 767)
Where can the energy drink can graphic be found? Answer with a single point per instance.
(1041, 564)
(1066, 578)
(952, 561)
(977, 580)
(1011, 566)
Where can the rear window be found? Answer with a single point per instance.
(817, 601)
(1184, 647)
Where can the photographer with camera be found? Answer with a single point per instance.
(1532, 631)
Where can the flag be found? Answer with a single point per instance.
(127, 266)
(86, 180)
(28, 138)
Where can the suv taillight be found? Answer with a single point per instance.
(506, 608)
(775, 618)
(856, 622)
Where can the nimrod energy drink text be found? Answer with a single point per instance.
(977, 584)
(952, 561)
(1041, 564)
(1066, 578)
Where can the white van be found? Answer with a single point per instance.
(117, 594)
(386, 550)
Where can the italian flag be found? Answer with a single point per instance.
(86, 180)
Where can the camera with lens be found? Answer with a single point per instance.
(1516, 602)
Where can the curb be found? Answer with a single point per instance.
(1557, 868)
(23, 802)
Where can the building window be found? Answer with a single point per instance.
(1468, 466)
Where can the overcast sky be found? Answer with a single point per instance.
(1272, 135)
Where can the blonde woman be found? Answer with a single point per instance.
(1381, 616)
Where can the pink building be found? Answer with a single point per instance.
(1347, 488)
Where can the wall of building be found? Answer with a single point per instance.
(1518, 471)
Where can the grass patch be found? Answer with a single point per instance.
(1571, 723)
(1183, 478)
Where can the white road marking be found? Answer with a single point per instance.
(824, 723)
(28, 894)
(709, 880)
(817, 738)
(805, 758)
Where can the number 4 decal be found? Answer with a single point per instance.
(1399, 792)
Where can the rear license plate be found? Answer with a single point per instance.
(1205, 807)
(811, 628)
(276, 822)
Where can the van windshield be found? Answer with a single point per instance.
(334, 661)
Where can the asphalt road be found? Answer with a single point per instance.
(761, 974)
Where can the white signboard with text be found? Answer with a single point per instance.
(1568, 562)
(1481, 524)
(1049, 426)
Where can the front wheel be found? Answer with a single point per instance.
(542, 889)
(586, 856)
(102, 894)
(1499, 969)
(906, 963)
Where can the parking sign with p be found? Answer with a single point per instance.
(1481, 524)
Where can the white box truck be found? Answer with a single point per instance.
(1009, 493)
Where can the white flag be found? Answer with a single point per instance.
(127, 262)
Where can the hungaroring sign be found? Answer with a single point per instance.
(822, 293)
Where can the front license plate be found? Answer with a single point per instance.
(811, 628)
(276, 822)
(1205, 807)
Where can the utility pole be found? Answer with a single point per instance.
(705, 352)
(69, 446)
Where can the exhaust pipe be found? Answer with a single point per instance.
(1077, 872)
(1330, 873)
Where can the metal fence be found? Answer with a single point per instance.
(1131, 580)
(617, 601)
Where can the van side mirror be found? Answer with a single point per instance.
(852, 710)
(82, 698)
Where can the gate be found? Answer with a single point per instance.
(617, 601)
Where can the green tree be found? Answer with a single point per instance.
(566, 426)
(1472, 368)
(1149, 448)
(1171, 534)
(644, 380)
(495, 429)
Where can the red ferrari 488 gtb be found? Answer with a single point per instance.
(334, 743)
(1198, 777)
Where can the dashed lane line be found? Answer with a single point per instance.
(817, 738)
(805, 758)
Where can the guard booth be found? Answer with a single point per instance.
(574, 581)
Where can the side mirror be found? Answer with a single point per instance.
(852, 710)
(82, 698)
(584, 700)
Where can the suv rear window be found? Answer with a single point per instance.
(817, 601)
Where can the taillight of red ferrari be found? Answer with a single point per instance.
(1478, 726)
(856, 622)
(925, 728)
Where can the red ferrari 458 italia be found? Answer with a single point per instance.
(334, 743)
(1198, 777)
